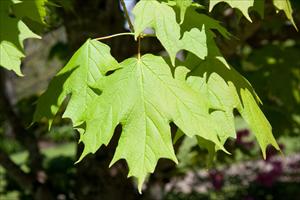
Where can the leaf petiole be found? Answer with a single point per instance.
(142, 35)
(114, 35)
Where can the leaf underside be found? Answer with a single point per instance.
(144, 98)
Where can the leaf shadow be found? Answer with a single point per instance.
(50, 101)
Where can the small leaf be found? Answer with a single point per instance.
(228, 90)
(162, 18)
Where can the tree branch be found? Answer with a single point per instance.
(127, 15)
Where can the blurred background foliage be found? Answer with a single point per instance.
(266, 52)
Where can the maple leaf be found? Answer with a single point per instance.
(144, 98)
(13, 33)
(86, 66)
(162, 18)
(225, 89)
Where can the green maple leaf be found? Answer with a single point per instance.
(162, 18)
(13, 33)
(87, 65)
(32, 9)
(286, 6)
(228, 90)
(242, 5)
(225, 89)
(144, 98)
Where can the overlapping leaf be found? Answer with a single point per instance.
(228, 90)
(198, 36)
(87, 65)
(162, 18)
(257, 5)
(242, 5)
(210, 78)
(12, 33)
(190, 36)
